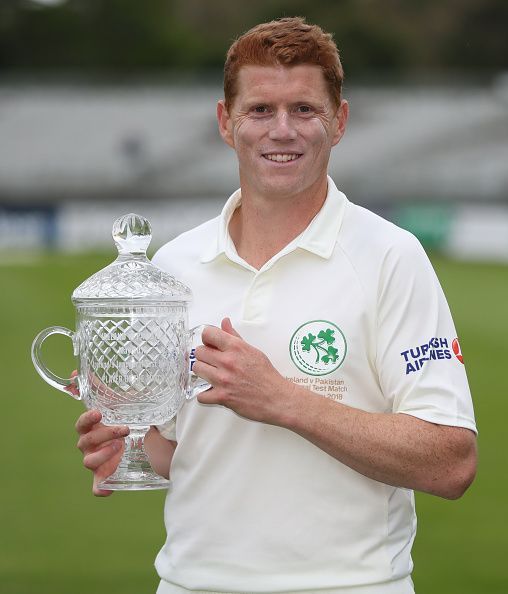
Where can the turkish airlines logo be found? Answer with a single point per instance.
(457, 350)
(437, 348)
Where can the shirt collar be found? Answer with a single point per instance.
(318, 238)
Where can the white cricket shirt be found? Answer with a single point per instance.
(351, 309)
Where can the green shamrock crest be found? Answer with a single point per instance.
(322, 345)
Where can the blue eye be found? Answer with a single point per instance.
(304, 109)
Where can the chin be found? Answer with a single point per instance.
(282, 190)
(283, 184)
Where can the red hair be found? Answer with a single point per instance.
(284, 42)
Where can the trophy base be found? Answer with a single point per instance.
(134, 472)
(134, 483)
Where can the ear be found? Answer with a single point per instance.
(341, 118)
(225, 124)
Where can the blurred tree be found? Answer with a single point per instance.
(128, 36)
(478, 36)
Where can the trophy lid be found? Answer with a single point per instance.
(132, 276)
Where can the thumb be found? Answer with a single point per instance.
(227, 326)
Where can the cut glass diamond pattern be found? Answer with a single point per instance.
(132, 333)
(135, 363)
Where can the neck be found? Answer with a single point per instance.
(262, 226)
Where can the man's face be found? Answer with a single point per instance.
(282, 125)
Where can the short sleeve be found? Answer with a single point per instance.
(418, 356)
(168, 430)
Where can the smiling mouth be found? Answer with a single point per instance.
(282, 157)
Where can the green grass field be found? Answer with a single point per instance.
(56, 538)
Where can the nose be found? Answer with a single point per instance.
(282, 128)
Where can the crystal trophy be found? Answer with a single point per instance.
(133, 349)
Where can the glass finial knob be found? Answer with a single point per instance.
(132, 234)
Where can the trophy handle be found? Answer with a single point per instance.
(195, 384)
(48, 376)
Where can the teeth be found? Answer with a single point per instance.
(282, 157)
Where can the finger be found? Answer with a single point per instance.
(87, 420)
(72, 389)
(111, 457)
(100, 435)
(96, 459)
(100, 492)
(227, 326)
(207, 372)
(208, 397)
(217, 338)
(208, 355)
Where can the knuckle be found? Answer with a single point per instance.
(199, 352)
(207, 333)
(220, 397)
(228, 399)
(229, 361)
(223, 378)
(118, 431)
(228, 384)
(88, 463)
(85, 422)
(82, 444)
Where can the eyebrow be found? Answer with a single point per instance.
(307, 101)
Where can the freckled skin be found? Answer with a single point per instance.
(279, 110)
(283, 110)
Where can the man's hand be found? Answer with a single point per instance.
(242, 377)
(102, 447)
(396, 449)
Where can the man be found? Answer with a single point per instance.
(335, 388)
